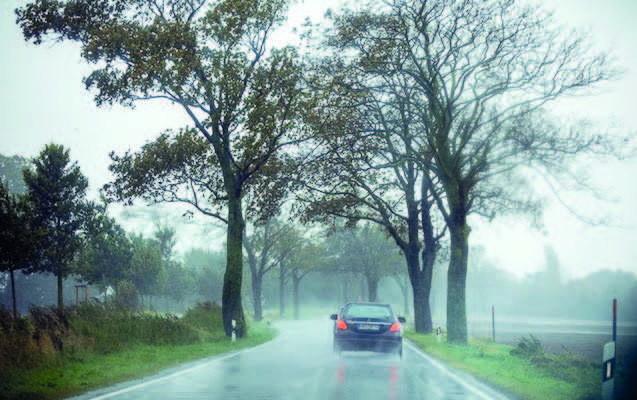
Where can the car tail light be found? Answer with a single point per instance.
(395, 327)
(341, 325)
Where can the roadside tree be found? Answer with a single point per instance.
(308, 258)
(106, 251)
(367, 251)
(481, 75)
(56, 189)
(11, 171)
(371, 162)
(18, 241)
(215, 60)
(147, 271)
(266, 247)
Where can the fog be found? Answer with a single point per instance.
(341, 276)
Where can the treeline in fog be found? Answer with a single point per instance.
(546, 293)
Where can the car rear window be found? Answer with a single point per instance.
(368, 311)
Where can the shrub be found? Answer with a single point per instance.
(113, 327)
(126, 294)
(6, 320)
(50, 322)
(28, 341)
(528, 347)
(207, 317)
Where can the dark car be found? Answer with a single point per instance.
(368, 327)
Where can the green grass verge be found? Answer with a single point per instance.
(72, 373)
(543, 376)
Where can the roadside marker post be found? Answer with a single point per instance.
(609, 361)
(234, 335)
(614, 320)
(608, 371)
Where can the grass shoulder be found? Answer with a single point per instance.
(94, 352)
(523, 370)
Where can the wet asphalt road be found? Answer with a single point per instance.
(300, 364)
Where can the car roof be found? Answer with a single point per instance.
(367, 303)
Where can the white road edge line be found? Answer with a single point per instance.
(473, 388)
(182, 372)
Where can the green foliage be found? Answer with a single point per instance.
(103, 344)
(205, 316)
(365, 250)
(146, 269)
(106, 253)
(166, 236)
(559, 377)
(11, 172)
(127, 294)
(207, 269)
(56, 189)
(52, 321)
(17, 347)
(18, 240)
(442, 94)
(215, 61)
(112, 328)
(528, 347)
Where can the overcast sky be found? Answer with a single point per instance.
(42, 100)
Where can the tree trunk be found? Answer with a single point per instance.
(404, 288)
(361, 293)
(257, 280)
(13, 297)
(456, 284)
(422, 310)
(296, 282)
(231, 307)
(281, 289)
(372, 288)
(421, 287)
(60, 292)
(344, 292)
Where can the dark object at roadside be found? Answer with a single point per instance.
(368, 327)
(528, 347)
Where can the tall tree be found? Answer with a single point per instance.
(147, 270)
(166, 237)
(216, 61)
(266, 247)
(481, 74)
(309, 257)
(372, 163)
(18, 241)
(57, 189)
(11, 171)
(289, 244)
(367, 251)
(106, 251)
(207, 267)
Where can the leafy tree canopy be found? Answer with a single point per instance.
(11, 171)
(56, 189)
(213, 59)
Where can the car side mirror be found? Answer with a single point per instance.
(402, 320)
(334, 317)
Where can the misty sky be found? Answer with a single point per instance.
(42, 99)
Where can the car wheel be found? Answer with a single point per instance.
(336, 348)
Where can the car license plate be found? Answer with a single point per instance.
(368, 327)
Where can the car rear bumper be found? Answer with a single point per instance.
(378, 344)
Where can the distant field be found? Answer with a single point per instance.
(585, 338)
